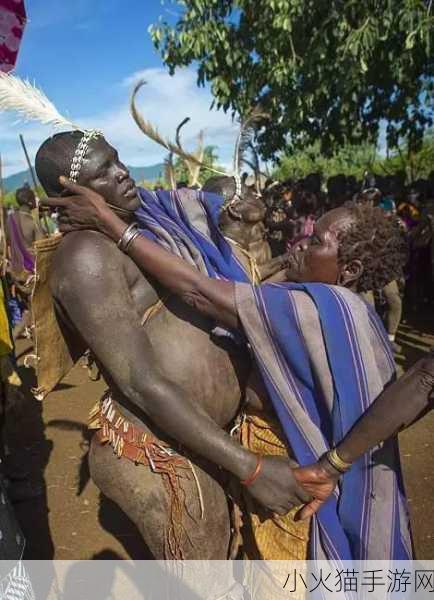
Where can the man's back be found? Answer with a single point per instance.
(30, 229)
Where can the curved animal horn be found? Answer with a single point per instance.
(169, 171)
(178, 131)
(192, 167)
(152, 132)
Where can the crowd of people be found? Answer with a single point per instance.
(23, 225)
(294, 206)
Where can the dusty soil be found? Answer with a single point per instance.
(72, 521)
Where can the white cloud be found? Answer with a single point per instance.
(165, 101)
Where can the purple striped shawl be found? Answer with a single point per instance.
(324, 357)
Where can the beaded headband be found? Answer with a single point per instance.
(80, 153)
(236, 195)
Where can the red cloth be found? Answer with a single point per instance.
(12, 23)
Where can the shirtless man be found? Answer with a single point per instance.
(190, 391)
(26, 205)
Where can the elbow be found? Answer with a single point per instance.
(150, 394)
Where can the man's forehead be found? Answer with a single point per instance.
(100, 147)
(99, 152)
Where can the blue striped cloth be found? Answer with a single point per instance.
(185, 222)
(324, 358)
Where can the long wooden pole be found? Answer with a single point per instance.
(35, 185)
(29, 164)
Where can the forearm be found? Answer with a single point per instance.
(189, 425)
(273, 266)
(212, 297)
(394, 410)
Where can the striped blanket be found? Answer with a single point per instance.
(185, 222)
(324, 358)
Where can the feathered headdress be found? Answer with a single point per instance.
(246, 133)
(31, 104)
(152, 132)
(245, 137)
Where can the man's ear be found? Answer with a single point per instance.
(350, 273)
(233, 211)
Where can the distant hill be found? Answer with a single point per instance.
(151, 173)
(15, 181)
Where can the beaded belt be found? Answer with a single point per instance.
(140, 447)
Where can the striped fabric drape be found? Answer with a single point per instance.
(185, 222)
(324, 358)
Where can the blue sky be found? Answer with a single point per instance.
(86, 55)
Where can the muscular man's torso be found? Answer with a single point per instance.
(211, 371)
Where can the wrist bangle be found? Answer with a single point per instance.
(127, 237)
(133, 237)
(255, 473)
(336, 461)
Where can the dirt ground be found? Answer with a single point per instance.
(71, 520)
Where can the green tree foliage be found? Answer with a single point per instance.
(210, 158)
(348, 160)
(355, 160)
(9, 201)
(327, 70)
(417, 165)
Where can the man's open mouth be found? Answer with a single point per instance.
(130, 190)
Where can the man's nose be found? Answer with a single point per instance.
(122, 174)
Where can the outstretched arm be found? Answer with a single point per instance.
(273, 268)
(86, 209)
(399, 405)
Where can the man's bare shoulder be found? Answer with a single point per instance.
(80, 256)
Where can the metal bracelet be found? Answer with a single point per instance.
(336, 461)
(131, 240)
(126, 237)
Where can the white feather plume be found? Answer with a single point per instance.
(29, 102)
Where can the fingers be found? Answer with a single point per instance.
(71, 186)
(302, 494)
(55, 202)
(309, 510)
